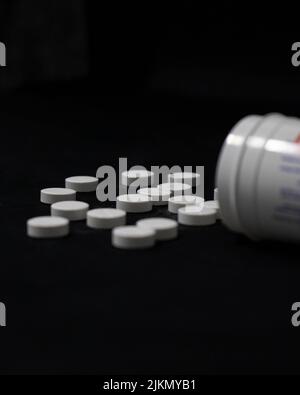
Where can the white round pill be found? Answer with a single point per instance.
(105, 218)
(47, 227)
(189, 178)
(134, 203)
(53, 195)
(82, 183)
(194, 216)
(176, 202)
(133, 237)
(176, 188)
(144, 176)
(216, 194)
(164, 228)
(214, 204)
(74, 211)
(159, 197)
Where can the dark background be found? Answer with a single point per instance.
(89, 82)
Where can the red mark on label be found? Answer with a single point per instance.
(298, 140)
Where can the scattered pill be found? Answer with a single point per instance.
(53, 195)
(177, 193)
(134, 203)
(159, 197)
(105, 218)
(47, 227)
(189, 178)
(214, 204)
(72, 210)
(164, 228)
(144, 176)
(82, 183)
(194, 216)
(176, 188)
(176, 202)
(216, 194)
(133, 237)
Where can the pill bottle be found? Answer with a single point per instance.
(258, 178)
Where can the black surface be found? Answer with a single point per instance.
(209, 302)
(160, 84)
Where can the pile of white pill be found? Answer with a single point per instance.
(176, 194)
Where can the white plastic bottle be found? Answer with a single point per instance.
(258, 178)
